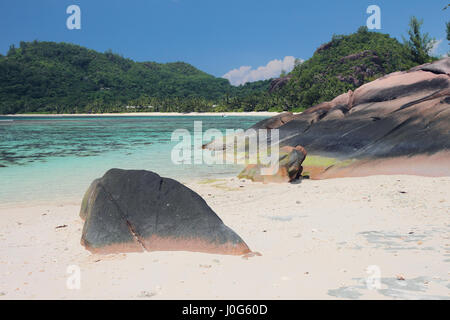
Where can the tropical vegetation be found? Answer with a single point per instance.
(48, 77)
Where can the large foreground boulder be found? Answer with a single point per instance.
(136, 210)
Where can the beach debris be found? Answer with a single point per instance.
(137, 210)
(61, 226)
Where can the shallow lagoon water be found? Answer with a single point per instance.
(43, 159)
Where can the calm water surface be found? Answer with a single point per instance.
(47, 159)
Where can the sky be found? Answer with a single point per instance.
(243, 40)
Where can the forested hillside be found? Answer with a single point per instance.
(49, 77)
(344, 63)
(61, 77)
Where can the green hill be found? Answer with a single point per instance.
(344, 63)
(49, 77)
(61, 77)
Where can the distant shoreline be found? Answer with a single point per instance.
(147, 114)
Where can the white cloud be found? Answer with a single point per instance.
(435, 49)
(272, 70)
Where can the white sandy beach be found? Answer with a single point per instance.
(317, 239)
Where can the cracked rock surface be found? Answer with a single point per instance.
(397, 124)
(401, 114)
(137, 210)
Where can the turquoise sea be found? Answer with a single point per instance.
(48, 159)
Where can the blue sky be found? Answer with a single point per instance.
(215, 36)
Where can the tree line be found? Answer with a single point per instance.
(48, 77)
